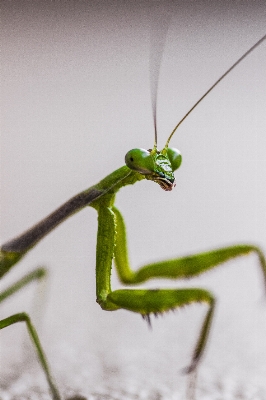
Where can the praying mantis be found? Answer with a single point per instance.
(154, 165)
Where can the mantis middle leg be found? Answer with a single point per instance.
(37, 274)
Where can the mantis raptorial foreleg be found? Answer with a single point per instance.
(112, 243)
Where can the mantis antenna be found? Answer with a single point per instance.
(158, 30)
(213, 86)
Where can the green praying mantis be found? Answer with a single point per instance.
(154, 165)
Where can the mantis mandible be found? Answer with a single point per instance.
(158, 166)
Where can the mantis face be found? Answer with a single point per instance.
(158, 166)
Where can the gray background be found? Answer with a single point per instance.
(75, 99)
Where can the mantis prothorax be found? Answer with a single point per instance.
(158, 166)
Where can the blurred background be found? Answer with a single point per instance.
(75, 99)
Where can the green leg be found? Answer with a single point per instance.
(23, 317)
(143, 302)
(158, 301)
(37, 274)
(112, 241)
(179, 268)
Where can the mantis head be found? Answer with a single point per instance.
(158, 166)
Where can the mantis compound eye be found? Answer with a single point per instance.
(175, 158)
(140, 160)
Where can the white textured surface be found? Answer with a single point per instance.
(75, 100)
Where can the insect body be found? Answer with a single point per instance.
(158, 166)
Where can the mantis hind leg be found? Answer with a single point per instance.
(37, 274)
